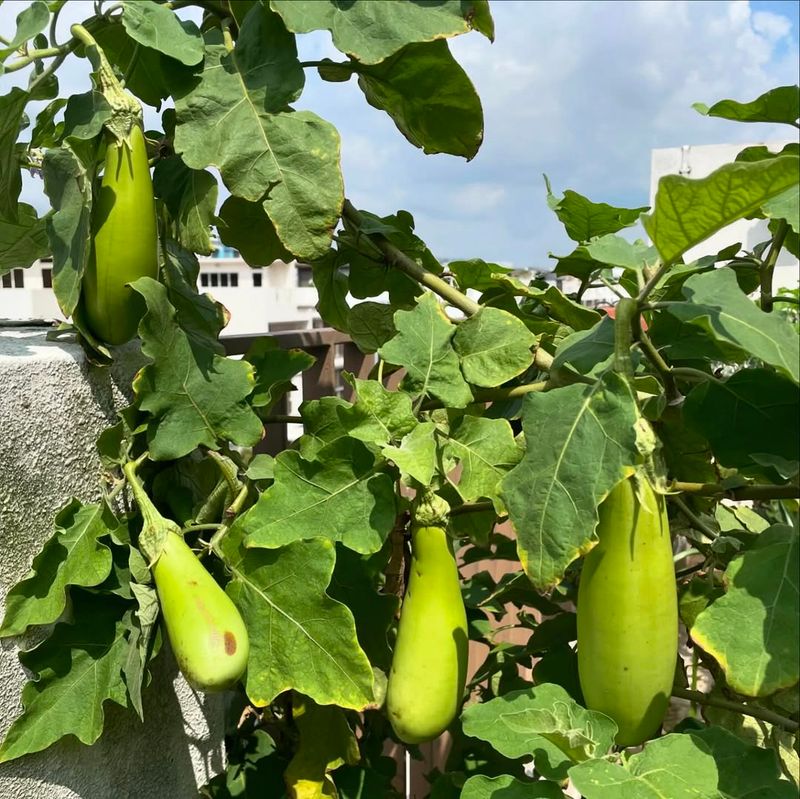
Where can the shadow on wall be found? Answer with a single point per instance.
(181, 736)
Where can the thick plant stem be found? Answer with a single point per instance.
(739, 493)
(768, 268)
(626, 311)
(746, 710)
(401, 261)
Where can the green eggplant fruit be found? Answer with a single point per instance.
(124, 242)
(429, 666)
(628, 612)
(206, 632)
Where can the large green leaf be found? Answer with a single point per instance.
(12, 109)
(429, 96)
(343, 496)
(275, 368)
(69, 187)
(371, 32)
(486, 450)
(423, 346)
(493, 346)
(190, 196)
(689, 211)
(194, 396)
(753, 631)
(30, 21)
(675, 766)
(144, 68)
(245, 225)
(718, 306)
(616, 251)
(157, 27)
(585, 220)
(300, 638)
(199, 316)
(76, 671)
(544, 722)
(776, 105)
(378, 415)
(73, 556)
(754, 412)
(233, 116)
(415, 456)
(23, 241)
(580, 442)
(371, 325)
(745, 771)
(354, 583)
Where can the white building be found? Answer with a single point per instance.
(278, 297)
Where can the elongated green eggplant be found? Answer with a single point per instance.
(628, 612)
(429, 667)
(206, 632)
(124, 241)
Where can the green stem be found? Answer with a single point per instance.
(696, 521)
(785, 298)
(191, 528)
(35, 55)
(652, 282)
(230, 514)
(768, 268)
(692, 375)
(740, 493)
(737, 707)
(398, 259)
(625, 313)
(471, 507)
(674, 396)
(278, 418)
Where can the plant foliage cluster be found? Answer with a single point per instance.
(512, 406)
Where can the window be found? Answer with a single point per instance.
(257, 279)
(223, 279)
(13, 279)
(214, 279)
(234, 280)
(305, 276)
(47, 278)
(204, 280)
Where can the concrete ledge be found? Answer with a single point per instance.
(53, 405)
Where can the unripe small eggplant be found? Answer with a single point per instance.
(429, 667)
(206, 632)
(628, 612)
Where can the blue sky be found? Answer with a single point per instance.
(581, 91)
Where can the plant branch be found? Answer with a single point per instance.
(471, 507)
(278, 418)
(696, 521)
(674, 396)
(786, 298)
(652, 283)
(768, 267)
(36, 55)
(740, 493)
(398, 259)
(737, 707)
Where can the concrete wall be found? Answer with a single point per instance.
(53, 404)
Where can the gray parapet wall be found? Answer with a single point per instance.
(53, 405)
